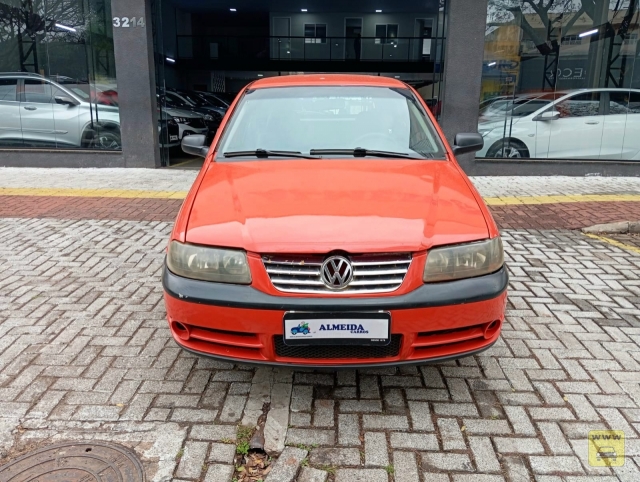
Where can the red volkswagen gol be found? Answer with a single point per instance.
(332, 226)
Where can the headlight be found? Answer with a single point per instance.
(463, 261)
(208, 264)
(180, 120)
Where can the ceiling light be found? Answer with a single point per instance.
(378, 11)
(233, 10)
(303, 9)
(491, 64)
(260, 75)
(64, 27)
(397, 76)
(170, 60)
(588, 32)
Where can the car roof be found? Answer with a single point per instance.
(327, 79)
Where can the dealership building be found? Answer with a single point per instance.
(552, 85)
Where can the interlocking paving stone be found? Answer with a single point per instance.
(375, 449)
(335, 457)
(219, 473)
(348, 429)
(447, 461)
(555, 465)
(405, 467)
(287, 465)
(192, 460)
(309, 474)
(414, 441)
(361, 475)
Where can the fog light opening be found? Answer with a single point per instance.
(180, 330)
(491, 329)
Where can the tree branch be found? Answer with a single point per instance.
(573, 20)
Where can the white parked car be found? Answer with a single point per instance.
(189, 122)
(582, 124)
(35, 111)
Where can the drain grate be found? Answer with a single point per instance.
(76, 462)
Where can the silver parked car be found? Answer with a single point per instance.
(36, 111)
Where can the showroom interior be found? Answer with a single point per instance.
(552, 85)
(220, 46)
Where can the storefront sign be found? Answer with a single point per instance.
(126, 22)
(575, 73)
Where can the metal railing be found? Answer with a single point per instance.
(366, 49)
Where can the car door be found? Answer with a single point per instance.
(36, 113)
(10, 132)
(615, 120)
(631, 143)
(66, 119)
(577, 134)
(621, 136)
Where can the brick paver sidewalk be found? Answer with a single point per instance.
(85, 353)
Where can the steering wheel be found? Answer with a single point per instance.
(374, 136)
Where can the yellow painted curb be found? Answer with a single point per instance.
(613, 242)
(574, 198)
(106, 193)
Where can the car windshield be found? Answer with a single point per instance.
(519, 107)
(195, 100)
(306, 118)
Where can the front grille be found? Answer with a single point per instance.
(372, 273)
(338, 351)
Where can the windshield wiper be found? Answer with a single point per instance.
(361, 152)
(263, 154)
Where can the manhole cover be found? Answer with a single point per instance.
(75, 462)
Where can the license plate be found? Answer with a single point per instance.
(302, 328)
(173, 138)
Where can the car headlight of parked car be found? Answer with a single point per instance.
(463, 260)
(208, 264)
(180, 120)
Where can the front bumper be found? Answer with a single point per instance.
(435, 322)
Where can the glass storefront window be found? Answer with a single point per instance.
(58, 84)
(560, 80)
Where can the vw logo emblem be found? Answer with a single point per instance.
(336, 272)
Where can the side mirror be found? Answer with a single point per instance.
(64, 100)
(548, 115)
(194, 145)
(467, 142)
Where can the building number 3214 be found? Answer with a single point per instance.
(126, 22)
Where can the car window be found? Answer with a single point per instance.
(37, 91)
(580, 105)
(528, 107)
(41, 92)
(332, 117)
(624, 102)
(8, 89)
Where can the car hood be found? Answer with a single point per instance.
(309, 206)
(182, 113)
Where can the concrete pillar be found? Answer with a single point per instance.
(135, 71)
(464, 53)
